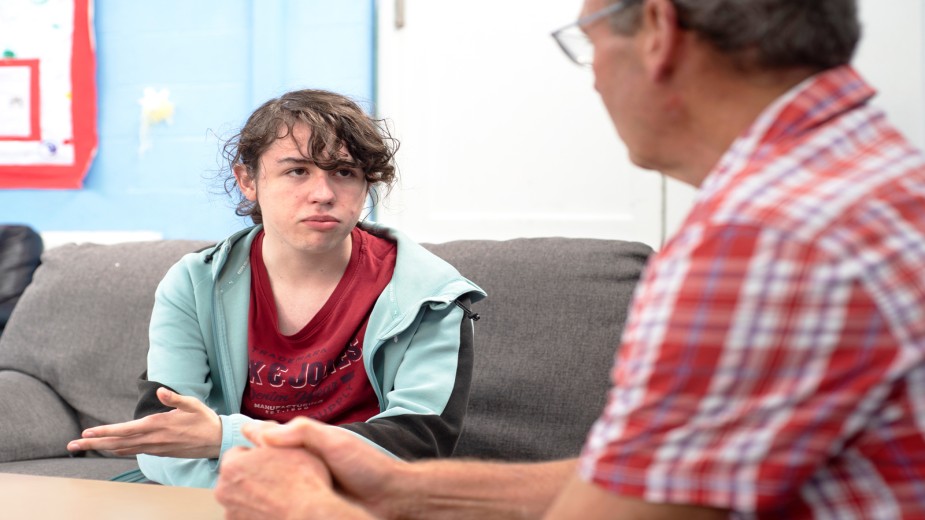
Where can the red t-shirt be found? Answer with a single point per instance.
(317, 372)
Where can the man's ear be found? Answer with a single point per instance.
(246, 183)
(661, 38)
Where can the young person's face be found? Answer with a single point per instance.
(304, 207)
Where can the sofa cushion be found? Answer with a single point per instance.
(81, 326)
(545, 342)
(36, 422)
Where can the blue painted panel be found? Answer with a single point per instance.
(219, 59)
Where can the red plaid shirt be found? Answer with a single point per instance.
(773, 359)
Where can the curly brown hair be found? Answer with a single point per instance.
(336, 123)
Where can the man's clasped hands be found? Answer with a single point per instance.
(304, 466)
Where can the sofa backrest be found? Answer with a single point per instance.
(545, 342)
(81, 326)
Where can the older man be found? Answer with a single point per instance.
(772, 365)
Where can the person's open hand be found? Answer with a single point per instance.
(190, 430)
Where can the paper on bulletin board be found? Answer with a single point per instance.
(48, 131)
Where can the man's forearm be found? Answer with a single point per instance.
(463, 489)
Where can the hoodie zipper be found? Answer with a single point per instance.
(474, 316)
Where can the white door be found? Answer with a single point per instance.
(502, 136)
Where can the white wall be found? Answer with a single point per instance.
(892, 57)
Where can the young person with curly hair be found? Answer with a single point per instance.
(311, 312)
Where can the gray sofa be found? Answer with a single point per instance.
(76, 342)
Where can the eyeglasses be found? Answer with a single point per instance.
(574, 42)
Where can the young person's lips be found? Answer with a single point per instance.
(321, 222)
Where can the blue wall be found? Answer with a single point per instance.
(219, 59)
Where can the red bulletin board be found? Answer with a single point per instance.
(48, 134)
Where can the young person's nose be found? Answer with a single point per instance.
(320, 188)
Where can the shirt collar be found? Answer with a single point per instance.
(807, 105)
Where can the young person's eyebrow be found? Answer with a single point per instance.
(294, 160)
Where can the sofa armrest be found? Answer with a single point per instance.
(20, 251)
(36, 422)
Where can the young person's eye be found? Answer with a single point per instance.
(296, 172)
(344, 172)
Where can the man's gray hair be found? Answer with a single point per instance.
(819, 34)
